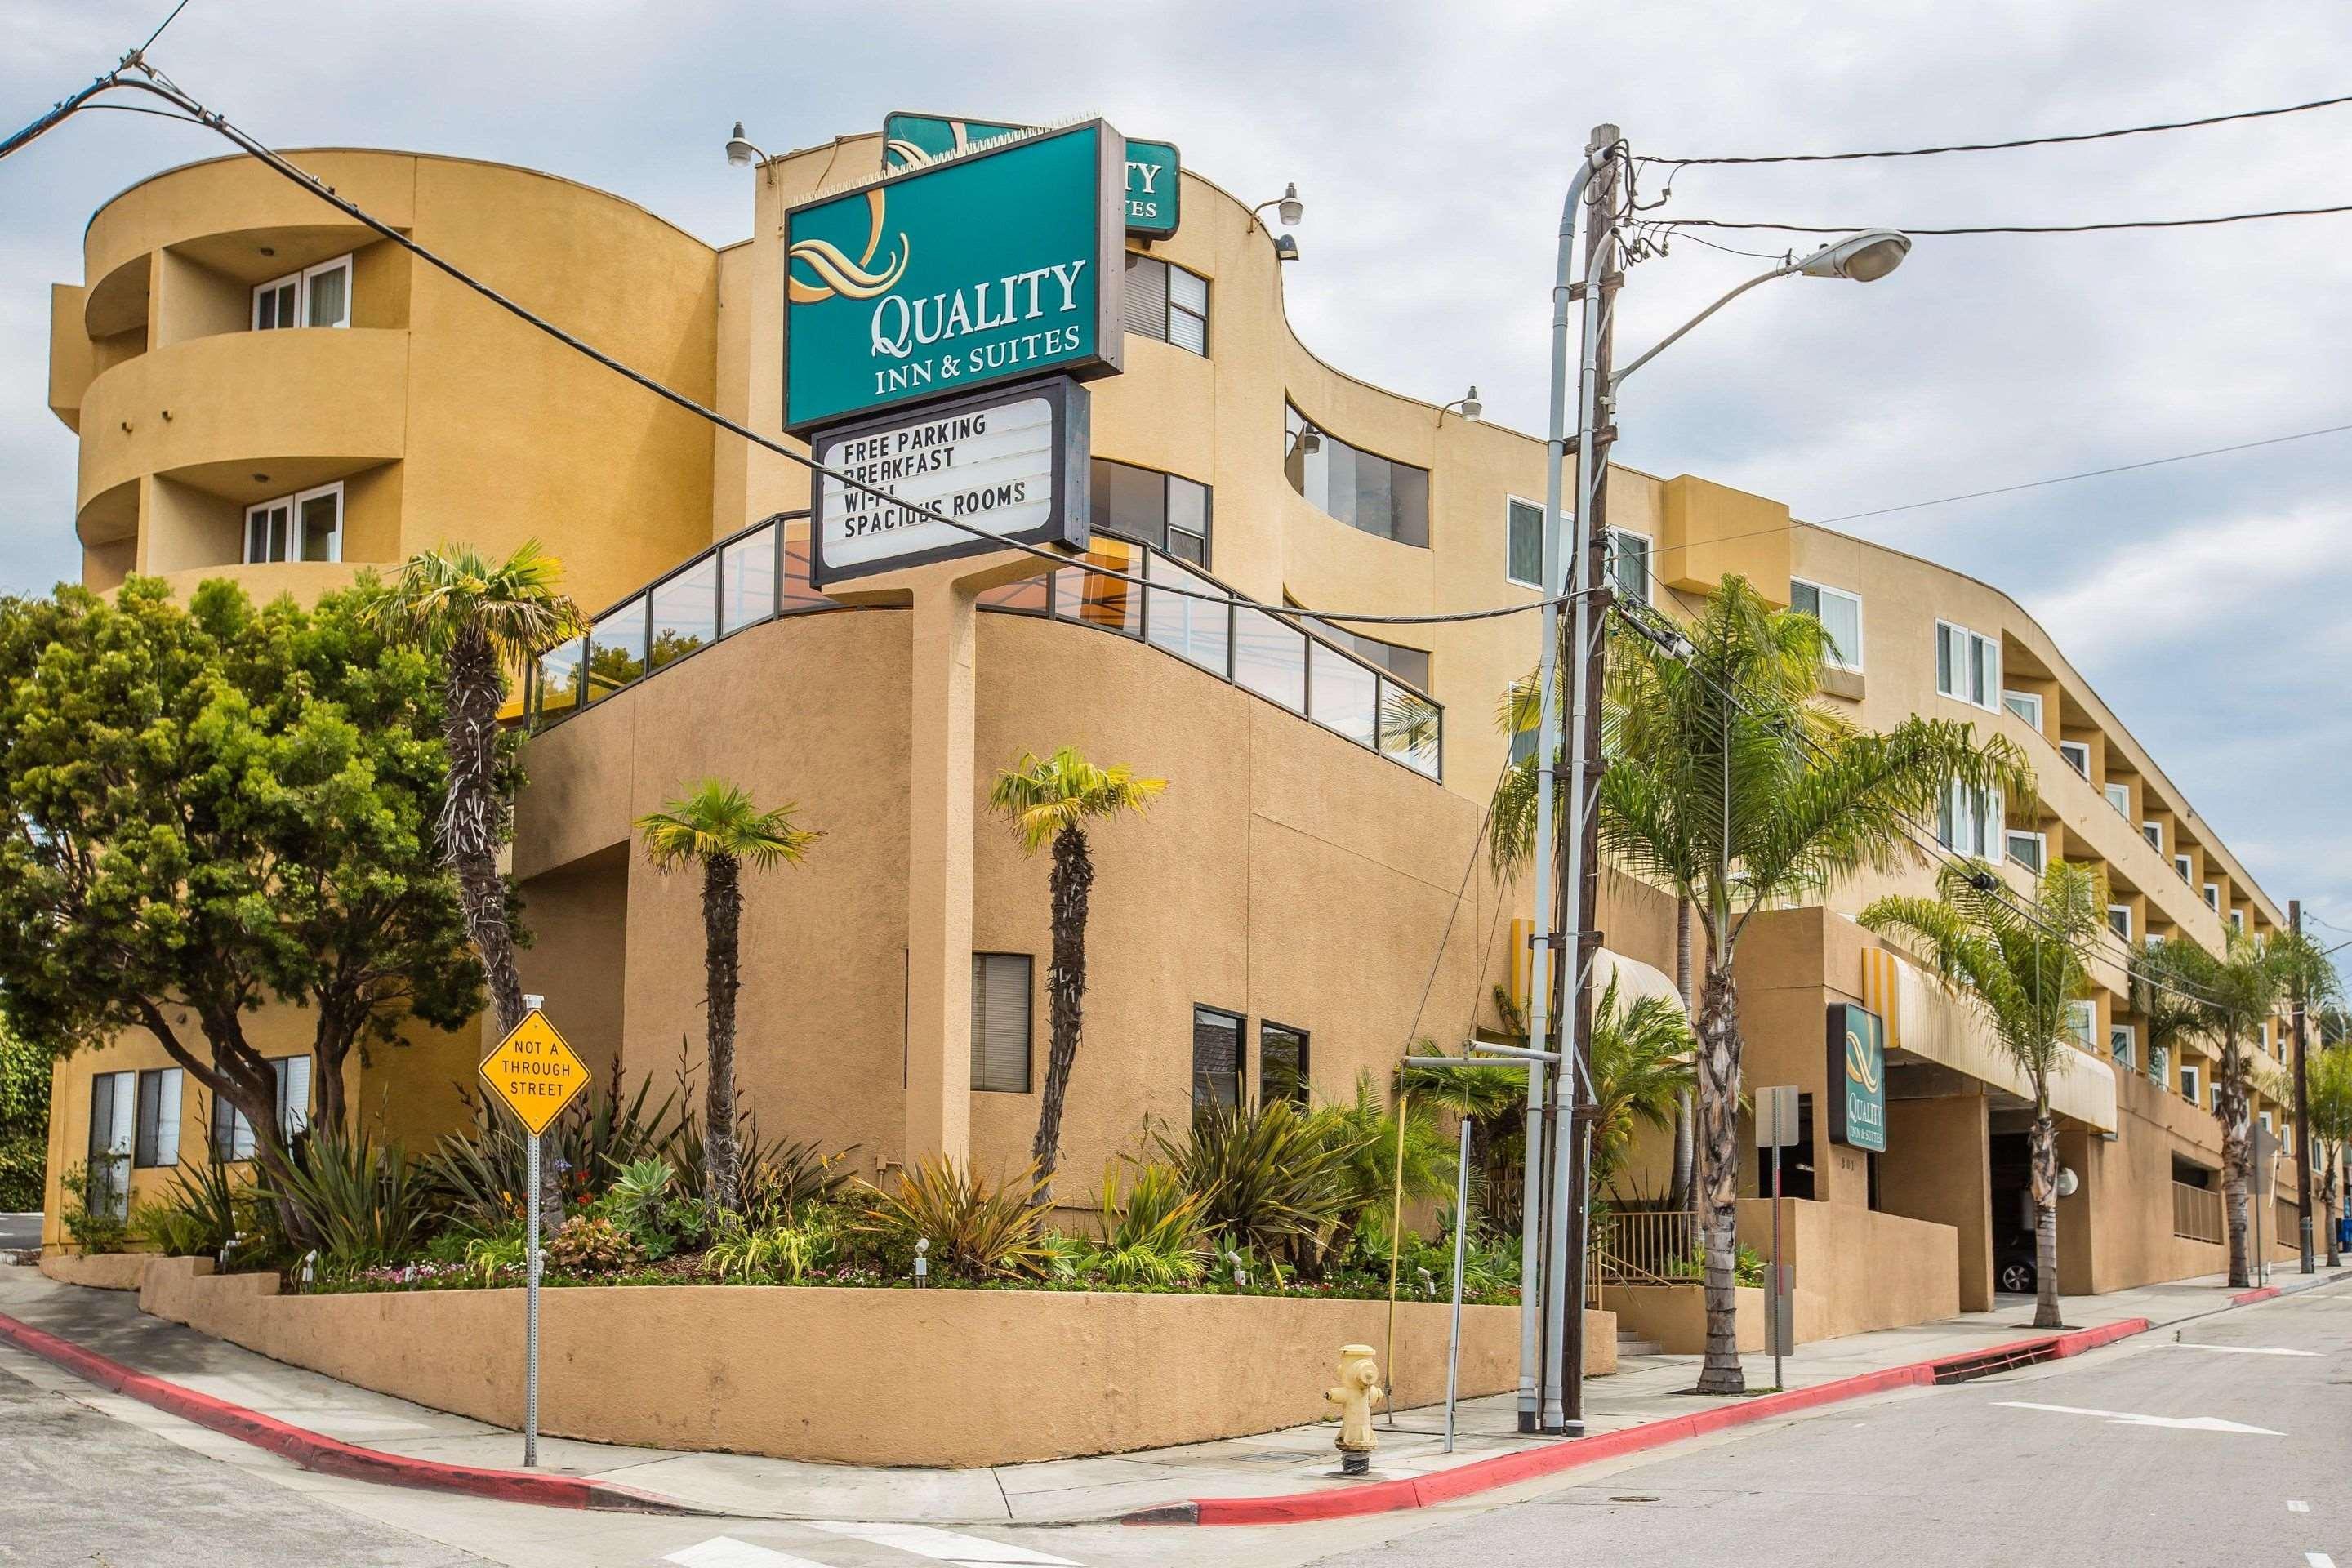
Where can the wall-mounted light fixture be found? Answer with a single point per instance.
(742, 153)
(1285, 248)
(1472, 409)
(1287, 207)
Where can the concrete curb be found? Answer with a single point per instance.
(330, 1456)
(1508, 1469)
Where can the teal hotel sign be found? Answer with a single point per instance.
(1857, 1073)
(1151, 182)
(1002, 264)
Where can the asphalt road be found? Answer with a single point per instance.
(1974, 1476)
(19, 1230)
(81, 1488)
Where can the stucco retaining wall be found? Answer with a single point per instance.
(872, 1377)
(99, 1270)
(1674, 1317)
(1857, 1269)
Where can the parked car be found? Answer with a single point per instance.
(2013, 1269)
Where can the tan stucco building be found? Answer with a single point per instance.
(1311, 893)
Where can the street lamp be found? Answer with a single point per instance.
(741, 152)
(1861, 258)
(1287, 207)
(1472, 409)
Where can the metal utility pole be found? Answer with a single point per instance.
(1573, 1100)
(2302, 1111)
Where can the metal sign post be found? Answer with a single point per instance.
(2265, 1184)
(1461, 1244)
(536, 1075)
(1776, 1113)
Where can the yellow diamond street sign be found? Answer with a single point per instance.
(534, 1072)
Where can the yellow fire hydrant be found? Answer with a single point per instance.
(1359, 1386)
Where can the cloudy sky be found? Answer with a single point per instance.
(1432, 142)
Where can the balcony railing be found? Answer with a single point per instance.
(2197, 1212)
(762, 575)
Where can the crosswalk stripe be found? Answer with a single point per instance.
(940, 1545)
(726, 1552)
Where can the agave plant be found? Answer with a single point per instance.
(975, 1231)
(1271, 1180)
(480, 1174)
(358, 1201)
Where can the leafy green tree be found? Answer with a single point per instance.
(716, 827)
(24, 1122)
(210, 809)
(2329, 1096)
(1050, 800)
(2018, 966)
(1734, 787)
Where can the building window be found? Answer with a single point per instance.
(2082, 1021)
(1840, 614)
(2182, 864)
(2119, 919)
(317, 296)
(1165, 301)
(2123, 1043)
(1968, 823)
(1000, 1021)
(2154, 833)
(305, 527)
(1367, 492)
(1410, 664)
(2238, 921)
(1523, 544)
(232, 1134)
(2030, 850)
(1968, 665)
(2214, 897)
(2026, 705)
(1281, 1063)
(1216, 1057)
(2076, 756)
(2119, 797)
(113, 1111)
(159, 1118)
(1628, 564)
(2191, 1090)
(1166, 511)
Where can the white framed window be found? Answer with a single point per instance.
(2120, 920)
(1840, 614)
(2214, 897)
(158, 1142)
(2076, 755)
(1968, 665)
(1523, 543)
(2238, 921)
(2030, 850)
(316, 296)
(2180, 863)
(2154, 833)
(2123, 1043)
(1968, 823)
(2156, 939)
(2082, 1021)
(304, 527)
(1628, 564)
(2119, 797)
(2266, 1120)
(2026, 705)
(2191, 1089)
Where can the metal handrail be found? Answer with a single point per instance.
(783, 601)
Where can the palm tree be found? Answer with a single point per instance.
(2329, 1096)
(715, 825)
(1641, 1072)
(1734, 788)
(2171, 1018)
(479, 620)
(1050, 800)
(2019, 966)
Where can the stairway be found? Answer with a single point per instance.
(1627, 1345)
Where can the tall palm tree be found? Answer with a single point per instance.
(480, 620)
(2171, 1018)
(1050, 800)
(716, 827)
(1640, 1071)
(1734, 787)
(2330, 1098)
(2018, 966)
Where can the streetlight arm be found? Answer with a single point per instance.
(1672, 338)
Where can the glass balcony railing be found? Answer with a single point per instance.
(762, 574)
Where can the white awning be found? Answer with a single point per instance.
(1634, 979)
(1926, 1019)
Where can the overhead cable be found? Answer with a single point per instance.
(1915, 229)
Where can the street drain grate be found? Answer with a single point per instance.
(1967, 1369)
(1636, 1497)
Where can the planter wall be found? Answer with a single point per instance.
(99, 1270)
(872, 1377)
(1674, 1317)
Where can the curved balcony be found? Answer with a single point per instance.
(301, 406)
(762, 574)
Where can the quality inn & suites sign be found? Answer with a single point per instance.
(1151, 181)
(1002, 264)
(1857, 1074)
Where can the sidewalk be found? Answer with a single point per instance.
(1646, 1389)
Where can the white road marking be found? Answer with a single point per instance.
(2125, 1418)
(726, 1552)
(940, 1545)
(2319, 1560)
(2233, 1350)
(2295, 1506)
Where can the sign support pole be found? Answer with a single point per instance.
(1461, 1243)
(531, 1309)
(1775, 1297)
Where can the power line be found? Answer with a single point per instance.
(1916, 230)
(2002, 146)
(2089, 474)
(161, 25)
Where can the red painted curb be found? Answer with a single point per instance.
(1530, 1464)
(330, 1456)
(2248, 1298)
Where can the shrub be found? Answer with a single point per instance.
(1363, 1135)
(1747, 1268)
(481, 1175)
(1152, 1232)
(591, 1245)
(91, 1193)
(200, 1213)
(747, 1256)
(498, 1254)
(1270, 1180)
(976, 1233)
(358, 1203)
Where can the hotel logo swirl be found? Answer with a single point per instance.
(835, 273)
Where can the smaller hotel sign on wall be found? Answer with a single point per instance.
(1857, 1070)
(1002, 264)
(1151, 182)
(1010, 463)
